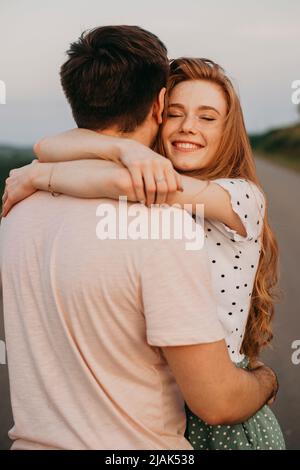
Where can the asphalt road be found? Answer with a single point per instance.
(282, 187)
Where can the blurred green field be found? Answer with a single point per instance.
(281, 146)
(12, 157)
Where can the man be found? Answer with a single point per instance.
(107, 338)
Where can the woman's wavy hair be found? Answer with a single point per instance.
(234, 159)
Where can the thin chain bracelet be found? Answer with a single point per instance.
(54, 194)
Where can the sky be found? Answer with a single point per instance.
(257, 42)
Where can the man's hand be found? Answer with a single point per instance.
(153, 176)
(266, 373)
(18, 186)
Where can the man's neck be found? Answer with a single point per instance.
(141, 135)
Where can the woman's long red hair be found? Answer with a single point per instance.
(234, 159)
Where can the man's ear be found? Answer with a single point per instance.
(158, 107)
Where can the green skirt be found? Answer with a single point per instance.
(260, 432)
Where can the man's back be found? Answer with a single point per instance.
(84, 319)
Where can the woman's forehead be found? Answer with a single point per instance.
(198, 93)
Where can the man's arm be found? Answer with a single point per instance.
(214, 388)
(182, 319)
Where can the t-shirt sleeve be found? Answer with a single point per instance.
(178, 300)
(248, 202)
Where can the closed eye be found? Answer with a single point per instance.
(207, 118)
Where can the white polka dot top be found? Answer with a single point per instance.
(234, 259)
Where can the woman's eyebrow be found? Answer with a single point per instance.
(176, 105)
(207, 108)
(200, 108)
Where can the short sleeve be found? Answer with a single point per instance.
(179, 304)
(248, 202)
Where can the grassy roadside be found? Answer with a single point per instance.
(280, 146)
(280, 160)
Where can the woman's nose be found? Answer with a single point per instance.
(188, 125)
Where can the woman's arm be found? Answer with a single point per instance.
(80, 178)
(152, 174)
(84, 179)
(96, 178)
(215, 199)
(78, 144)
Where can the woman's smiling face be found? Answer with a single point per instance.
(193, 124)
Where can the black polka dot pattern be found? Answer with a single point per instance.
(234, 260)
(260, 432)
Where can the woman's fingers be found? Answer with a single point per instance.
(178, 181)
(161, 185)
(4, 202)
(174, 178)
(150, 185)
(154, 181)
(4, 210)
(4, 197)
(9, 197)
(6, 206)
(171, 181)
(138, 183)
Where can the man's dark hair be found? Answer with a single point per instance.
(113, 76)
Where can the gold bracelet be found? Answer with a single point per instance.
(49, 184)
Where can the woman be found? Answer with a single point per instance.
(204, 137)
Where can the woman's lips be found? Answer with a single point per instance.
(186, 146)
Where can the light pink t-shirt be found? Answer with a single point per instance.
(84, 322)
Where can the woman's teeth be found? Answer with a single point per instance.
(186, 146)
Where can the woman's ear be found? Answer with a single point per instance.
(159, 105)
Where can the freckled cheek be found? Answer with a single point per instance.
(213, 138)
(212, 143)
(170, 126)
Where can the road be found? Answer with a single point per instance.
(282, 188)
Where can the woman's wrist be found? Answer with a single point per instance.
(110, 148)
(127, 147)
(40, 175)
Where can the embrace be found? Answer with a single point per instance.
(135, 343)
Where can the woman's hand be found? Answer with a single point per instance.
(153, 176)
(18, 186)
